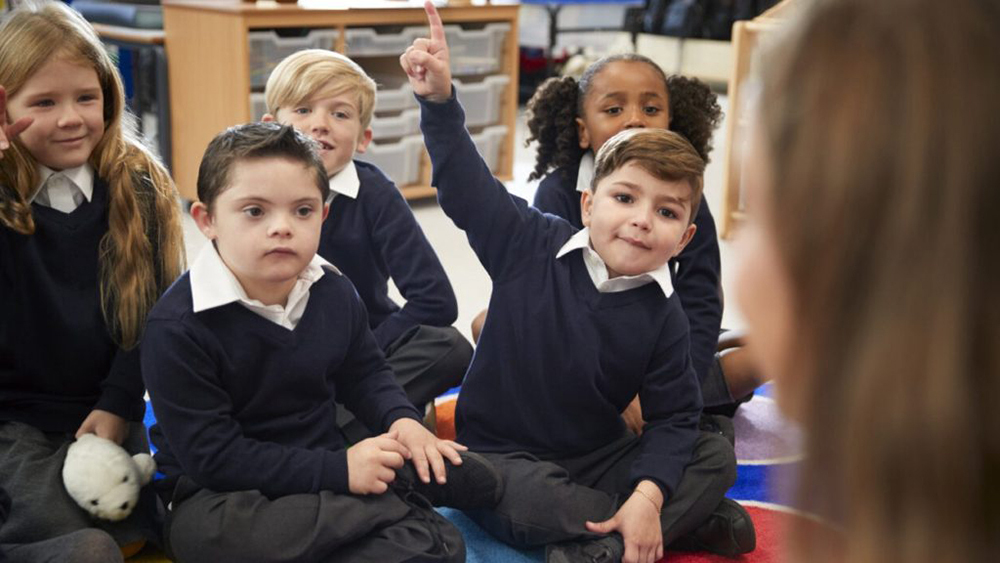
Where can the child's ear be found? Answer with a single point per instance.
(326, 211)
(688, 235)
(268, 118)
(364, 141)
(586, 206)
(203, 218)
(583, 134)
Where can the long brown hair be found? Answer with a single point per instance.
(881, 124)
(142, 252)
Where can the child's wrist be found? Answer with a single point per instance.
(651, 493)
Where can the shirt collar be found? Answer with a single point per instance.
(598, 270)
(82, 177)
(214, 285)
(345, 182)
(585, 174)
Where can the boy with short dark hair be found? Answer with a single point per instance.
(244, 358)
(580, 322)
(371, 233)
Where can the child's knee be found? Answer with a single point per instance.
(91, 545)
(713, 453)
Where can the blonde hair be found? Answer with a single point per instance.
(664, 154)
(142, 252)
(307, 73)
(880, 121)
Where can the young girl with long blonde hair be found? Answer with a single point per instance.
(89, 238)
(872, 292)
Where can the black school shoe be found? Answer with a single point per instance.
(609, 549)
(472, 485)
(728, 531)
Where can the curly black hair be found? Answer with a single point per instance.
(553, 109)
(551, 117)
(694, 112)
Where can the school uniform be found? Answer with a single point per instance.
(562, 353)
(59, 361)
(372, 236)
(696, 273)
(253, 461)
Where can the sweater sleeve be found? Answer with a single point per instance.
(698, 285)
(195, 415)
(671, 403)
(503, 230)
(413, 266)
(365, 382)
(122, 391)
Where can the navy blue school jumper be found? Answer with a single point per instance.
(696, 276)
(58, 362)
(557, 363)
(247, 439)
(374, 237)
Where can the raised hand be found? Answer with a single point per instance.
(426, 61)
(372, 464)
(10, 131)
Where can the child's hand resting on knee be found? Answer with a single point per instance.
(426, 62)
(372, 463)
(425, 449)
(638, 521)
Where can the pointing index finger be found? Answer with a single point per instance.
(434, 19)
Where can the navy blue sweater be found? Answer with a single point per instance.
(558, 361)
(375, 237)
(58, 360)
(696, 272)
(243, 403)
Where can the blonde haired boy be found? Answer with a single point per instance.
(371, 233)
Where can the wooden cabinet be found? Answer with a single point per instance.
(748, 37)
(210, 79)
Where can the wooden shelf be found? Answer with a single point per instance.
(208, 54)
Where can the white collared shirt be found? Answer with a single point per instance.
(598, 270)
(585, 174)
(214, 285)
(345, 182)
(77, 182)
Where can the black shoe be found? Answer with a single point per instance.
(609, 549)
(474, 484)
(728, 531)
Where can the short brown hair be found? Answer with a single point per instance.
(253, 141)
(303, 74)
(663, 154)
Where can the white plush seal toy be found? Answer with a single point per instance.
(103, 479)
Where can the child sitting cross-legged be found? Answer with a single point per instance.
(244, 358)
(371, 233)
(580, 322)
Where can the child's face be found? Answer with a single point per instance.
(637, 222)
(332, 121)
(67, 104)
(266, 225)
(624, 95)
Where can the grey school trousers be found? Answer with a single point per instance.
(246, 526)
(426, 362)
(548, 502)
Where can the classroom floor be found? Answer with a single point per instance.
(472, 285)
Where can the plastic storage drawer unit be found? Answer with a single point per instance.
(268, 48)
(400, 160)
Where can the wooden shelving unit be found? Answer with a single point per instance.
(747, 38)
(209, 67)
